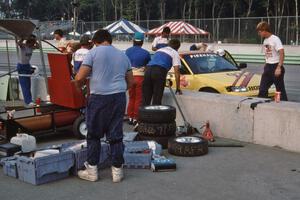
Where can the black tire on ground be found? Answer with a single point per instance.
(157, 114)
(188, 146)
(163, 141)
(163, 129)
(79, 127)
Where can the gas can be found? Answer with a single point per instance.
(27, 142)
(277, 97)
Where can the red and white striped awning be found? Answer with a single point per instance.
(179, 28)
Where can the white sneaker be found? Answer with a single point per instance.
(117, 174)
(90, 173)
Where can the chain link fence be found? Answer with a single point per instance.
(226, 30)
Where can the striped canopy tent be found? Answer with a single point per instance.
(124, 26)
(179, 28)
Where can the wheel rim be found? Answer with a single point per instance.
(188, 139)
(83, 129)
(159, 107)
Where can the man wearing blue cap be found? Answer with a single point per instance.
(139, 58)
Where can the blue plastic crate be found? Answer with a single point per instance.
(80, 156)
(140, 146)
(45, 169)
(10, 166)
(137, 160)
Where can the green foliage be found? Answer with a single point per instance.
(104, 10)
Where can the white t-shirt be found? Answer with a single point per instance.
(25, 54)
(78, 58)
(160, 42)
(271, 48)
(165, 57)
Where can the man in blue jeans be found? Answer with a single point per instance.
(110, 76)
(24, 68)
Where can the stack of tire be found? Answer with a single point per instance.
(157, 122)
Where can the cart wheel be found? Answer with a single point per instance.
(79, 127)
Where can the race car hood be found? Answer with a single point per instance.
(235, 78)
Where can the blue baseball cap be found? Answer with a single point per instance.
(138, 36)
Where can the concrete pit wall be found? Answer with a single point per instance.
(270, 124)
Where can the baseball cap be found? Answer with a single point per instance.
(138, 36)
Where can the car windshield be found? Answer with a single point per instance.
(208, 63)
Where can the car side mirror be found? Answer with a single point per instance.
(243, 65)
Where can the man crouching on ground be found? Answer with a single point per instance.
(110, 76)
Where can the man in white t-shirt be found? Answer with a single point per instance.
(161, 41)
(79, 55)
(156, 73)
(274, 56)
(61, 40)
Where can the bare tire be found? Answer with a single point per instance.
(79, 127)
(188, 146)
(157, 114)
(162, 129)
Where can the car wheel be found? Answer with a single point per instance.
(79, 127)
(209, 90)
(157, 114)
(188, 146)
(161, 129)
(163, 141)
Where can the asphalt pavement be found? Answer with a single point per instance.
(248, 173)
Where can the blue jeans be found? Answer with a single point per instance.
(25, 82)
(104, 116)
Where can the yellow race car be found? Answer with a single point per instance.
(210, 72)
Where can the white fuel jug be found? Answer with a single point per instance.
(27, 142)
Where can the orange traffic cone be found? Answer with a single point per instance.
(207, 133)
(38, 104)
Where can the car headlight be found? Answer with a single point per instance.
(237, 89)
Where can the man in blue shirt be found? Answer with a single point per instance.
(156, 73)
(110, 76)
(139, 58)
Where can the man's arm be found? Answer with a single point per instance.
(280, 64)
(154, 43)
(20, 42)
(177, 78)
(154, 49)
(129, 79)
(81, 76)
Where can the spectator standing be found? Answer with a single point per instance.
(62, 42)
(156, 73)
(139, 58)
(110, 76)
(162, 40)
(24, 68)
(79, 55)
(274, 57)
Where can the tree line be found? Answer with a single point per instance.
(137, 10)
